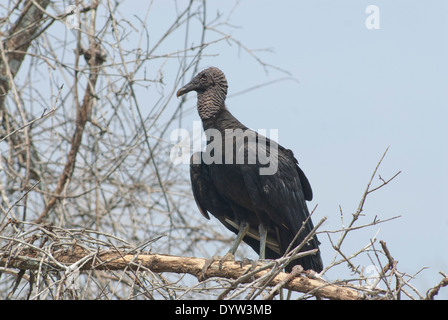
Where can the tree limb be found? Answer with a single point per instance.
(113, 260)
(95, 59)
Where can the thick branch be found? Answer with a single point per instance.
(113, 260)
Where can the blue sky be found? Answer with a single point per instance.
(352, 93)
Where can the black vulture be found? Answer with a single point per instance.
(265, 209)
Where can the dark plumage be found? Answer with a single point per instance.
(265, 210)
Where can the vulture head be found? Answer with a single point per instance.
(211, 87)
(211, 79)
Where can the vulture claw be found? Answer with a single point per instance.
(207, 265)
(228, 257)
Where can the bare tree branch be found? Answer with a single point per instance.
(95, 58)
(80, 260)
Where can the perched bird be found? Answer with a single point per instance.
(265, 209)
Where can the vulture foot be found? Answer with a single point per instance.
(228, 257)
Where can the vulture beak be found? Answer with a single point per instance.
(181, 92)
(192, 85)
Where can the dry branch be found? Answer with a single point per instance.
(112, 260)
(95, 59)
(19, 39)
(435, 290)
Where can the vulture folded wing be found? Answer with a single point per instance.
(279, 197)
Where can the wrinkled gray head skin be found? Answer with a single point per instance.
(211, 87)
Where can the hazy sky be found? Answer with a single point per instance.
(352, 92)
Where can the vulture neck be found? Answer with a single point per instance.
(211, 102)
(213, 112)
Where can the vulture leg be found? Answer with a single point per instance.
(230, 255)
(263, 234)
(244, 227)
